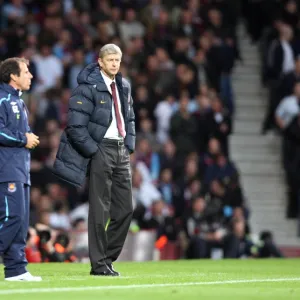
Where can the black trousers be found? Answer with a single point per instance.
(200, 248)
(110, 203)
(273, 102)
(14, 222)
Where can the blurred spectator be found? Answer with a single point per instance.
(209, 158)
(130, 27)
(286, 118)
(13, 12)
(166, 186)
(206, 233)
(168, 156)
(80, 239)
(151, 13)
(183, 194)
(275, 23)
(32, 251)
(142, 108)
(146, 132)
(222, 169)
(289, 80)
(178, 56)
(145, 192)
(183, 128)
(288, 108)
(80, 213)
(163, 113)
(59, 219)
(221, 124)
(155, 216)
(47, 61)
(148, 155)
(76, 67)
(280, 62)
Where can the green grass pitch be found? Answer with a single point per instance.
(193, 279)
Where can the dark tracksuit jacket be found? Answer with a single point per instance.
(14, 180)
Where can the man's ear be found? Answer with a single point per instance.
(13, 77)
(100, 62)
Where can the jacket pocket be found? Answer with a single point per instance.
(70, 156)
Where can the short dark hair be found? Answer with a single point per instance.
(11, 66)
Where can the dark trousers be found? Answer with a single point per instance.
(201, 248)
(227, 92)
(110, 200)
(273, 102)
(14, 222)
(291, 161)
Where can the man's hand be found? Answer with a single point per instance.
(218, 235)
(32, 140)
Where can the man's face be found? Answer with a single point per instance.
(110, 64)
(23, 81)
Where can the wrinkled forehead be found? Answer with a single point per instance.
(113, 56)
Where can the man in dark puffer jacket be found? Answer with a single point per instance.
(100, 133)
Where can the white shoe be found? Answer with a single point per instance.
(24, 277)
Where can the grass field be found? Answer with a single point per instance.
(205, 279)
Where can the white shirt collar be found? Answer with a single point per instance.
(19, 92)
(106, 79)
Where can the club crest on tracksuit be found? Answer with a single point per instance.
(12, 187)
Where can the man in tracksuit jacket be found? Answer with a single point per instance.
(16, 140)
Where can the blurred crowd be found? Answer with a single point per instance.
(178, 56)
(279, 39)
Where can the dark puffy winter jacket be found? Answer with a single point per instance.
(89, 117)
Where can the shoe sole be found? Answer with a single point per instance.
(24, 280)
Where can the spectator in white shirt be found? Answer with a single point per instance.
(288, 108)
(49, 69)
(131, 28)
(163, 113)
(145, 193)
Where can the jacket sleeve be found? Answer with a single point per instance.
(81, 107)
(131, 125)
(278, 60)
(9, 138)
(131, 118)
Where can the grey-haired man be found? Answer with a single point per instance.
(98, 139)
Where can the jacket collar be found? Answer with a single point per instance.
(101, 86)
(9, 89)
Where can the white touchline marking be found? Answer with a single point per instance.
(140, 286)
(78, 278)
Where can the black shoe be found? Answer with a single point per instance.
(106, 272)
(111, 267)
